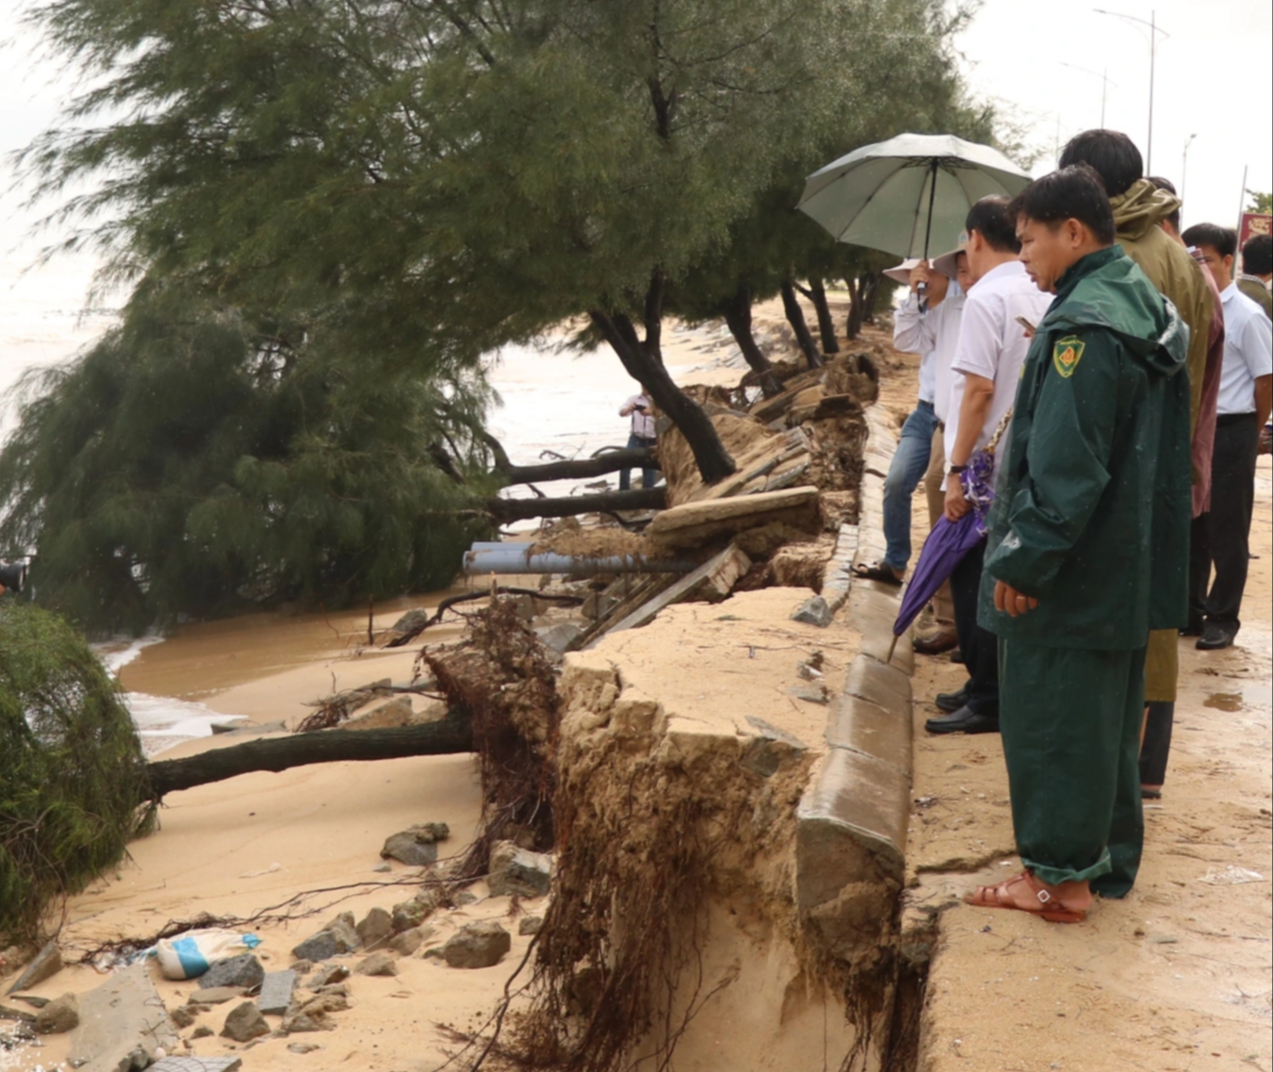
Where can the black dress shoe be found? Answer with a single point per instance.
(1214, 637)
(965, 720)
(952, 701)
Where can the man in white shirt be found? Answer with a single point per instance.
(643, 436)
(1220, 536)
(927, 325)
(987, 366)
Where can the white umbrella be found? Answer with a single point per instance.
(908, 194)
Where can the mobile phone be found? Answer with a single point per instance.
(1025, 323)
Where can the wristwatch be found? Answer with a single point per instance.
(955, 470)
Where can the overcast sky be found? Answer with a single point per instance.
(1214, 79)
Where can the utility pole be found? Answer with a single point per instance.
(1102, 74)
(1154, 31)
(1184, 164)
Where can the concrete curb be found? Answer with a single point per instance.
(852, 819)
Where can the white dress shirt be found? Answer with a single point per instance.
(993, 345)
(1248, 352)
(934, 334)
(642, 421)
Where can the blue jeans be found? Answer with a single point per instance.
(910, 463)
(649, 477)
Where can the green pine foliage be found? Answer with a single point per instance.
(195, 467)
(71, 767)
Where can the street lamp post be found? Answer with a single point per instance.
(1102, 74)
(1154, 31)
(1184, 164)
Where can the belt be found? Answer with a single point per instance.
(1235, 418)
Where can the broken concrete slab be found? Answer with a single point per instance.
(244, 1023)
(694, 524)
(559, 637)
(518, 872)
(885, 686)
(729, 565)
(815, 611)
(121, 1019)
(216, 995)
(197, 1064)
(47, 963)
(276, 992)
(320, 946)
(864, 727)
(243, 970)
(837, 577)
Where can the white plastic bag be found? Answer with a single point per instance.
(191, 954)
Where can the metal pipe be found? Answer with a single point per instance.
(512, 558)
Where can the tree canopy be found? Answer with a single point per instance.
(193, 463)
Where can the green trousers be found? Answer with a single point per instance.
(1070, 720)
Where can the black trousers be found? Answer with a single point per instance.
(979, 647)
(1157, 745)
(1220, 537)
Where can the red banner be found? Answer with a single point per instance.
(1254, 223)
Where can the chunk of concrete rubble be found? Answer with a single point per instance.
(328, 974)
(417, 845)
(243, 970)
(408, 914)
(406, 943)
(377, 964)
(121, 1020)
(216, 995)
(47, 963)
(344, 931)
(314, 1014)
(375, 927)
(765, 753)
(815, 611)
(197, 1064)
(320, 946)
(303, 1047)
(477, 945)
(182, 1015)
(530, 925)
(276, 992)
(388, 715)
(559, 637)
(58, 1016)
(244, 1023)
(517, 871)
(8, 1012)
(696, 524)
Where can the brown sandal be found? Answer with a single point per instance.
(1047, 905)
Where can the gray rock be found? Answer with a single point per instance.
(336, 988)
(197, 1064)
(409, 941)
(320, 946)
(203, 1031)
(417, 845)
(375, 927)
(34, 1000)
(477, 945)
(245, 1023)
(815, 611)
(412, 913)
(276, 992)
(411, 622)
(465, 897)
(302, 967)
(244, 970)
(328, 974)
(216, 995)
(559, 637)
(47, 963)
(518, 871)
(378, 964)
(121, 1018)
(182, 1015)
(342, 929)
(384, 867)
(303, 1047)
(530, 925)
(313, 1015)
(61, 1014)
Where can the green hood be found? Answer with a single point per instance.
(1141, 207)
(1107, 289)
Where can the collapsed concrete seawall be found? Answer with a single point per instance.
(731, 812)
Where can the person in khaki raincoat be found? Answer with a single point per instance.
(1139, 209)
(1087, 550)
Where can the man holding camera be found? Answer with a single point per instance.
(643, 437)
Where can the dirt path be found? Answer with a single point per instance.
(1176, 978)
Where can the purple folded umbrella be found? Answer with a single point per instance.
(950, 541)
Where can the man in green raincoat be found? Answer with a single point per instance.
(1087, 549)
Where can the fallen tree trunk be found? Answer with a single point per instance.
(505, 510)
(609, 462)
(448, 737)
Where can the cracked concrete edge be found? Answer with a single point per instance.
(837, 578)
(853, 818)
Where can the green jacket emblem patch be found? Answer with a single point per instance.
(1067, 354)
